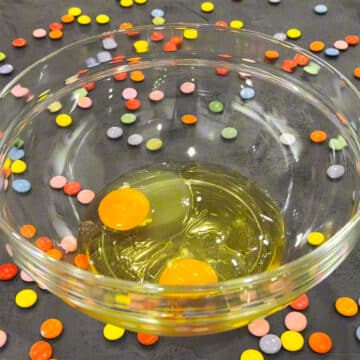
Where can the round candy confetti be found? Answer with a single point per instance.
(19, 42)
(335, 171)
(270, 344)
(3, 338)
(320, 342)
(131, 205)
(341, 45)
(207, 7)
(332, 52)
(140, 2)
(74, 11)
(189, 119)
(156, 95)
(154, 144)
(295, 321)
(126, 3)
(39, 33)
(25, 276)
(352, 40)
(216, 106)
(315, 238)
(247, 93)
(147, 339)
(8, 271)
(55, 254)
(129, 93)
(320, 9)
(51, 328)
(128, 118)
(259, 327)
(58, 182)
(318, 136)
(157, 13)
(6, 69)
(40, 350)
(251, 354)
(301, 59)
(112, 332)
(271, 55)
(67, 19)
(141, 46)
(28, 231)
(156, 36)
(280, 36)
(2, 56)
(84, 20)
(229, 133)
(187, 87)
(158, 20)
(190, 34)
(81, 261)
(137, 76)
(316, 46)
(301, 303)
(43, 243)
(26, 298)
(356, 72)
(293, 33)
(72, 188)
(55, 34)
(312, 68)
(102, 19)
(21, 185)
(85, 197)
(63, 120)
(69, 244)
(275, 2)
(292, 340)
(114, 132)
(135, 139)
(357, 333)
(84, 102)
(287, 139)
(55, 106)
(346, 306)
(236, 24)
(18, 167)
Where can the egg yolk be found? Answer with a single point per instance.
(123, 209)
(188, 272)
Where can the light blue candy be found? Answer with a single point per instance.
(157, 13)
(6, 69)
(15, 153)
(104, 56)
(320, 9)
(332, 52)
(21, 185)
(270, 344)
(357, 333)
(109, 43)
(247, 93)
(114, 132)
(91, 62)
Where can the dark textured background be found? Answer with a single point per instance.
(82, 338)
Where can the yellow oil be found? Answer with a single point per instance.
(198, 211)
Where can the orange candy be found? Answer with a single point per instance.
(55, 34)
(320, 342)
(67, 19)
(346, 306)
(222, 71)
(271, 55)
(169, 47)
(318, 136)
(289, 65)
(137, 76)
(28, 231)
(81, 261)
(133, 104)
(147, 339)
(357, 72)
(301, 60)
(44, 243)
(189, 119)
(19, 42)
(126, 25)
(51, 328)
(316, 46)
(124, 209)
(40, 350)
(352, 40)
(55, 254)
(188, 272)
(121, 76)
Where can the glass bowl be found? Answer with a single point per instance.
(272, 149)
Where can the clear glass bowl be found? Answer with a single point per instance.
(295, 176)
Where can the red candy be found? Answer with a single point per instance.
(301, 303)
(8, 271)
(169, 47)
(156, 36)
(90, 86)
(121, 76)
(72, 188)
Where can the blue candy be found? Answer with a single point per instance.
(15, 153)
(6, 69)
(157, 13)
(357, 333)
(104, 56)
(332, 52)
(21, 185)
(320, 9)
(247, 93)
(91, 62)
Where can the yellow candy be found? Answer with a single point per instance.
(63, 120)
(207, 6)
(74, 11)
(84, 20)
(158, 20)
(141, 46)
(2, 56)
(7, 164)
(251, 354)
(112, 332)
(102, 19)
(26, 298)
(126, 3)
(316, 238)
(122, 299)
(18, 167)
(140, 2)
(55, 107)
(154, 144)
(190, 34)
(293, 33)
(236, 24)
(292, 340)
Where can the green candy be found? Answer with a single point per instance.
(229, 133)
(128, 118)
(338, 143)
(216, 106)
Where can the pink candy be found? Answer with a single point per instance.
(295, 321)
(85, 196)
(69, 243)
(187, 87)
(3, 338)
(156, 95)
(129, 93)
(259, 327)
(58, 182)
(25, 277)
(84, 102)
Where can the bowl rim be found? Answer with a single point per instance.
(105, 281)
